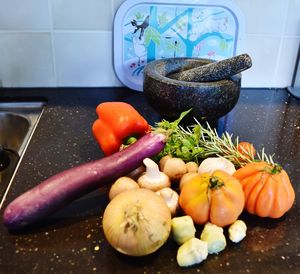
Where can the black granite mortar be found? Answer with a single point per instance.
(169, 97)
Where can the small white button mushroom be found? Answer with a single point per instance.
(192, 252)
(153, 179)
(183, 228)
(192, 166)
(237, 231)
(163, 161)
(120, 185)
(175, 168)
(214, 237)
(171, 198)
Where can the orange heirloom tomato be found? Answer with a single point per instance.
(267, 188)
(247, 149)
(217, 198)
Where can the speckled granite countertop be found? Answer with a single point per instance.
(72, 241)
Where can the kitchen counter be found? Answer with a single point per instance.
(72, 241)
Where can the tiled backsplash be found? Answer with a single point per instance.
(49, 43)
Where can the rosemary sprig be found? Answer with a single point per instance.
(195, 143)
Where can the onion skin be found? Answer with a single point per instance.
(137, 222)
(64, 187)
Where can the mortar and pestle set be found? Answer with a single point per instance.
(211, 89)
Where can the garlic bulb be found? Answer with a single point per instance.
(209, 165)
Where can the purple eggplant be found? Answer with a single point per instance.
(63, 188)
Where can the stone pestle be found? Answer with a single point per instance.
(215, 71)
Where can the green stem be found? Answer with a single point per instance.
(215, 182)
(276, 169)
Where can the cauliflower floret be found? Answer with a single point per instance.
(237, 231)
(192, 252)
(214, 237)
(183, 229)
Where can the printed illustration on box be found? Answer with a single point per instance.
(152, 32)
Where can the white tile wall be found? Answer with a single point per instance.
(263, 16)
(263, 51)
(287, 61)
(117, 3)
(24, 15)
(84, 59)
(82, 15)
(26, 59)
(69, 42)
(293, 19)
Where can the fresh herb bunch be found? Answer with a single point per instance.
(195, 143)
(181, 144)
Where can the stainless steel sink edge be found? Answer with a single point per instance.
(26, 143)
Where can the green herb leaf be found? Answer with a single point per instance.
(196, 142)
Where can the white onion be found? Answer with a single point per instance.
(137, 222)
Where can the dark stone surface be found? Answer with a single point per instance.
(72, 240)
(215, 71)
(170, 97)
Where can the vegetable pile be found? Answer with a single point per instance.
(215, 179)
(208, 180)
(166, 180)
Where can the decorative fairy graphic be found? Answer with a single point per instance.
(150, 32)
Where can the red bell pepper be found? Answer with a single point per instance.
(117, 121)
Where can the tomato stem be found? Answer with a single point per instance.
(276, 169)
(273, 169)
(215, 182)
